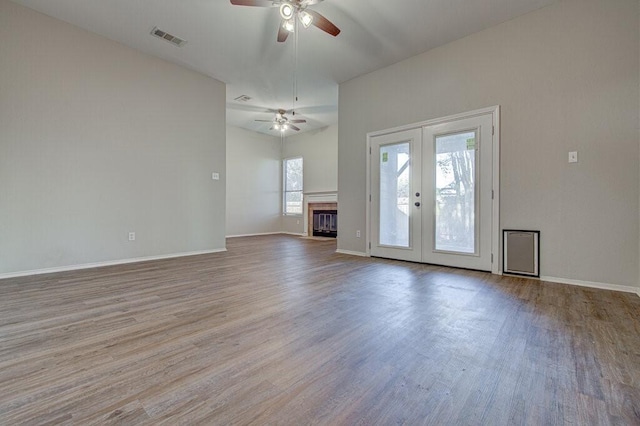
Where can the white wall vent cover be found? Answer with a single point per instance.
(168, 37)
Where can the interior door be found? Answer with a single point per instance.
(457, 179)
(431, 193)
(395, 199)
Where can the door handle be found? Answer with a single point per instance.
(417, 203)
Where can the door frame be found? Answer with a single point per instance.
(496, 265)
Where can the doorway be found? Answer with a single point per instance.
(433, 191)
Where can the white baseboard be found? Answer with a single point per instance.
(253, 235)
(265, 233)
(107, 263)
(352, 253)
(592, 284)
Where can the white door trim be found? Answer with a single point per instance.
(496, 266)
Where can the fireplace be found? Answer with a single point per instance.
(321, 219)
(325, 223)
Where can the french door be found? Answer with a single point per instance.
(397, 228)
(431, 193)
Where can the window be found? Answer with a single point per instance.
(292, 199)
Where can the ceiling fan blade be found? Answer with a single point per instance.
(309, 2)
(258, 3)
(291, 126)
(282, 34)
(265, 121)
(323, 23)
(297, 121)
(272, 128)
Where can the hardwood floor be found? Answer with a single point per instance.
(282, 330)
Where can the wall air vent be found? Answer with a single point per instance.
(168, 37)
(242, 98)
(521, 252)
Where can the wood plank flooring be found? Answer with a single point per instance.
(282, 330)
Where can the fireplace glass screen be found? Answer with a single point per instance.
(325, 223)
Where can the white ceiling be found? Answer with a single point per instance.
(237, 44)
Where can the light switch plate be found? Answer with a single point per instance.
(573, 157)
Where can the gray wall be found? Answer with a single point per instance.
(319, 150)
(253, 182)
(97, 140)
(567, 79)
(254, 177)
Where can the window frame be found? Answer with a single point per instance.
(284, 187)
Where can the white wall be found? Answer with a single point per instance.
(97, 140)
(567, 79)
(319, 150)
(253, 182)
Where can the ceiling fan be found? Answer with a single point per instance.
(282, 123)
(289, 11)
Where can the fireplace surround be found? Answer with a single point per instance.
(320, 201)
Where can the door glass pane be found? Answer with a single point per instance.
(455, 204)
(394, 194)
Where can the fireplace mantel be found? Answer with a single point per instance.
(319, 198)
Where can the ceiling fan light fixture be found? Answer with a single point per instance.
(305, 18)
(286, 11)
(289, 25)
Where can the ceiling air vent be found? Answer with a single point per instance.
(168, 37)
(242, 98)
